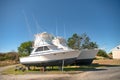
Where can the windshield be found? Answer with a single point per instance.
(43, 48)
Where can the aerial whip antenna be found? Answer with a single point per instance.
(37, 25)
(27, 23)
(56, 29)
(64, 32)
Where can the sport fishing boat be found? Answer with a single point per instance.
(85, 57)
(46, 53)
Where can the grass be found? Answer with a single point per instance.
(67, 69)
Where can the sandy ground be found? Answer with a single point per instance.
(103, 73)
(6, 67)
(35, 77)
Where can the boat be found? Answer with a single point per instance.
(85, 57)
(46, 53)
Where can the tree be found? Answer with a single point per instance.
(90, 45)
(74, 41)
(86, 44)
(81, 42)
(25, 48)
(102, 53)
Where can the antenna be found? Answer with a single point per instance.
(27, 23)
(64, 32)
(56, 29)
(37, 25)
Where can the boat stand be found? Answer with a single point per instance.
(61, 68)
(43, 69)
(63, 65)
(28, 68)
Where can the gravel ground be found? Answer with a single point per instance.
(106, 73)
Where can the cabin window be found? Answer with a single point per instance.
(44, 48)
(39, 49)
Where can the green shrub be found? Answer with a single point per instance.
(9, 56)
(102, 53)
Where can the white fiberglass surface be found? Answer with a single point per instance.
(87, 54)
(52, 49)
(51, 52)
(52, 56)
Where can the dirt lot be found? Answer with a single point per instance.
(109, 72)
(107, 62)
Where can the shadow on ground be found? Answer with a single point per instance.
(73, 69)
(104, 65)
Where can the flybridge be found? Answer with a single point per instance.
(48, 39)
(42, 39)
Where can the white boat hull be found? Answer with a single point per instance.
(86, 57)
(51, 59)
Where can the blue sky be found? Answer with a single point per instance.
(21, 19)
